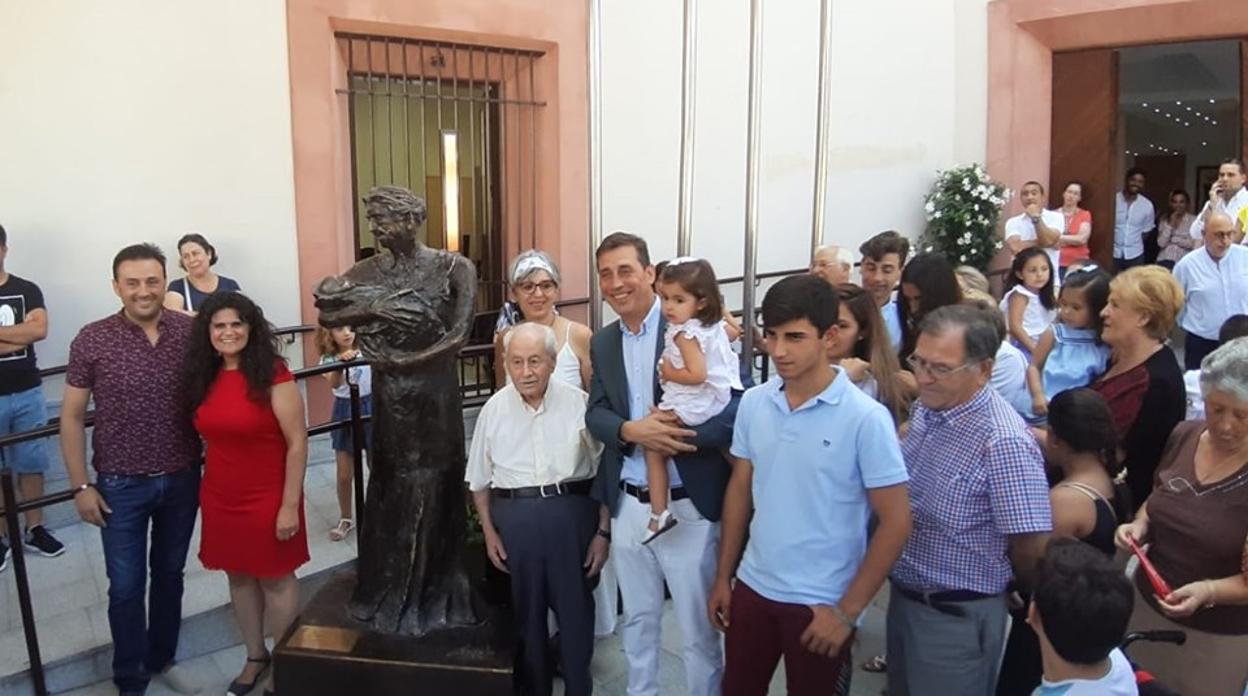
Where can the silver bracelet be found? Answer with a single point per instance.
(840, 614)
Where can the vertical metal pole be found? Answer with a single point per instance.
(688, 100)
(595, 157)
(9, 495)
(424, 141)
(822, 122)
(355, 163)
(372, 109)
(532, 107)
(389, 114)
(407, 118)
(490, 235)
(751, 179)
(357, 451)
(472, 163)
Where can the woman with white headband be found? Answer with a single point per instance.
(533, 281)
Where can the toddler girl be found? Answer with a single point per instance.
(698, 370)
(1069, 354)
(1028, 303)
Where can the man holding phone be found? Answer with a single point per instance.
(1227, 196)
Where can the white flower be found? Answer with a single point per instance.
(936, 214)
(930, 206)
(962, 258)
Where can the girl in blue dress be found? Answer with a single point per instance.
(1069, 354)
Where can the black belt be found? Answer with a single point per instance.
(643, 494)
(550, 490)
(944, 601)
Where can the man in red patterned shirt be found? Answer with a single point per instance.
(147, 459)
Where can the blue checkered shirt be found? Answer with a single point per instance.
(976, 477)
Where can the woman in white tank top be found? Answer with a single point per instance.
(534, 288)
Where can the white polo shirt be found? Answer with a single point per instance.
(1131, 221)
(1022, 227)
(1232, 208)
(1213, 290)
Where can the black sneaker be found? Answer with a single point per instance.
(41, 540)
(4, 554)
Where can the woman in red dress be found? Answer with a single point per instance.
(249, 412)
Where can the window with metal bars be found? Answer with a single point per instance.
(457, 125)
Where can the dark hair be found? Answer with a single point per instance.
(697, 278)
(1183, 193)
(1083, 189)
(1033, 182)
(615, 240)
(4, 237)
(886, 242)
(258, 361)
(1235, 161)
(980, 337)
(801, 297)
(1081, 418)
(1016, 268)
(874, 347)
(1234, 327)
(938, 286)
(1132, 172)
(1082, 600)
(197, 238)
(139, 252)
(1095, 286)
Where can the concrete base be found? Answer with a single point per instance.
(328, 651)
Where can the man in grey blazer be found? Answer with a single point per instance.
(621, 414)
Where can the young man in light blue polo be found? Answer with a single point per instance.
(815, 456)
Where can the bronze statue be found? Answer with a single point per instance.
(411, 308)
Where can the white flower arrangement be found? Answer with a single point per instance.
(962, 210)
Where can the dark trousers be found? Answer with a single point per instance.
(1195, 349)
(760, 633)
(145, 633)
(1123, 264)
(546, 540)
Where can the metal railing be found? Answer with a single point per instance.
(476, 372)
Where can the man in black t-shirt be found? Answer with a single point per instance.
(23, 321)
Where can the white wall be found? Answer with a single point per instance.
(909, 84)
(138, 120)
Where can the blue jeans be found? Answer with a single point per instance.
(20, 412)
(145, 637)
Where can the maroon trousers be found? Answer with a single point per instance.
(759, 633)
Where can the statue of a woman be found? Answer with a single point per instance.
(411, 308)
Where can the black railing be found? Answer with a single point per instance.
(13, 508)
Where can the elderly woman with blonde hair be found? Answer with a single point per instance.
(1144, 384)
(1196, 525)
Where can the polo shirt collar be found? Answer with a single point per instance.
(831, 394)
(651, 322)
(541, 408)
(973, 405)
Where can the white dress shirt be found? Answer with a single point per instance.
(1131, 221)
(1232, 207)
(1022, 227)
(515, 445)
(1213, 290)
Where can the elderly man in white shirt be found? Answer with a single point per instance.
(1035, 226)
(530, 470)
(1227, 196)
(1133, 216)
(1215, 288)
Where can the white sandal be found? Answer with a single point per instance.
(341, 531)
(664, 521)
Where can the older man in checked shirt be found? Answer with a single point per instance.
(981, 514)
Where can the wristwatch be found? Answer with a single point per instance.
(604, 534)
(82, 488)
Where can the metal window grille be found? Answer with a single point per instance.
(403, 96)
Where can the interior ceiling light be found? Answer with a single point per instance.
(1204, 143)
(1188, 108)
(1214, 122)
(1186, 123)
(1157, 110)
(1178, 103)
(1212, 101)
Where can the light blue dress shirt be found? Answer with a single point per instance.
(813, 466)
(640, 363)
(1131, 221)
(892, 322)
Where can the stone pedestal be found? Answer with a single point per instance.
(327, 652)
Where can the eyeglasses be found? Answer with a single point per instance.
(936, 371)
(546, 287)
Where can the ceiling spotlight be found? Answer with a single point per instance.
(1144, 104)
(1212, 101)
(1214, 122)
(1197, 113)
(1178, 103)
(1204, 143)
(1186, 123)
(1157, 110)
(1188, 108)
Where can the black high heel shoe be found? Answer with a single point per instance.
(240, 688)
